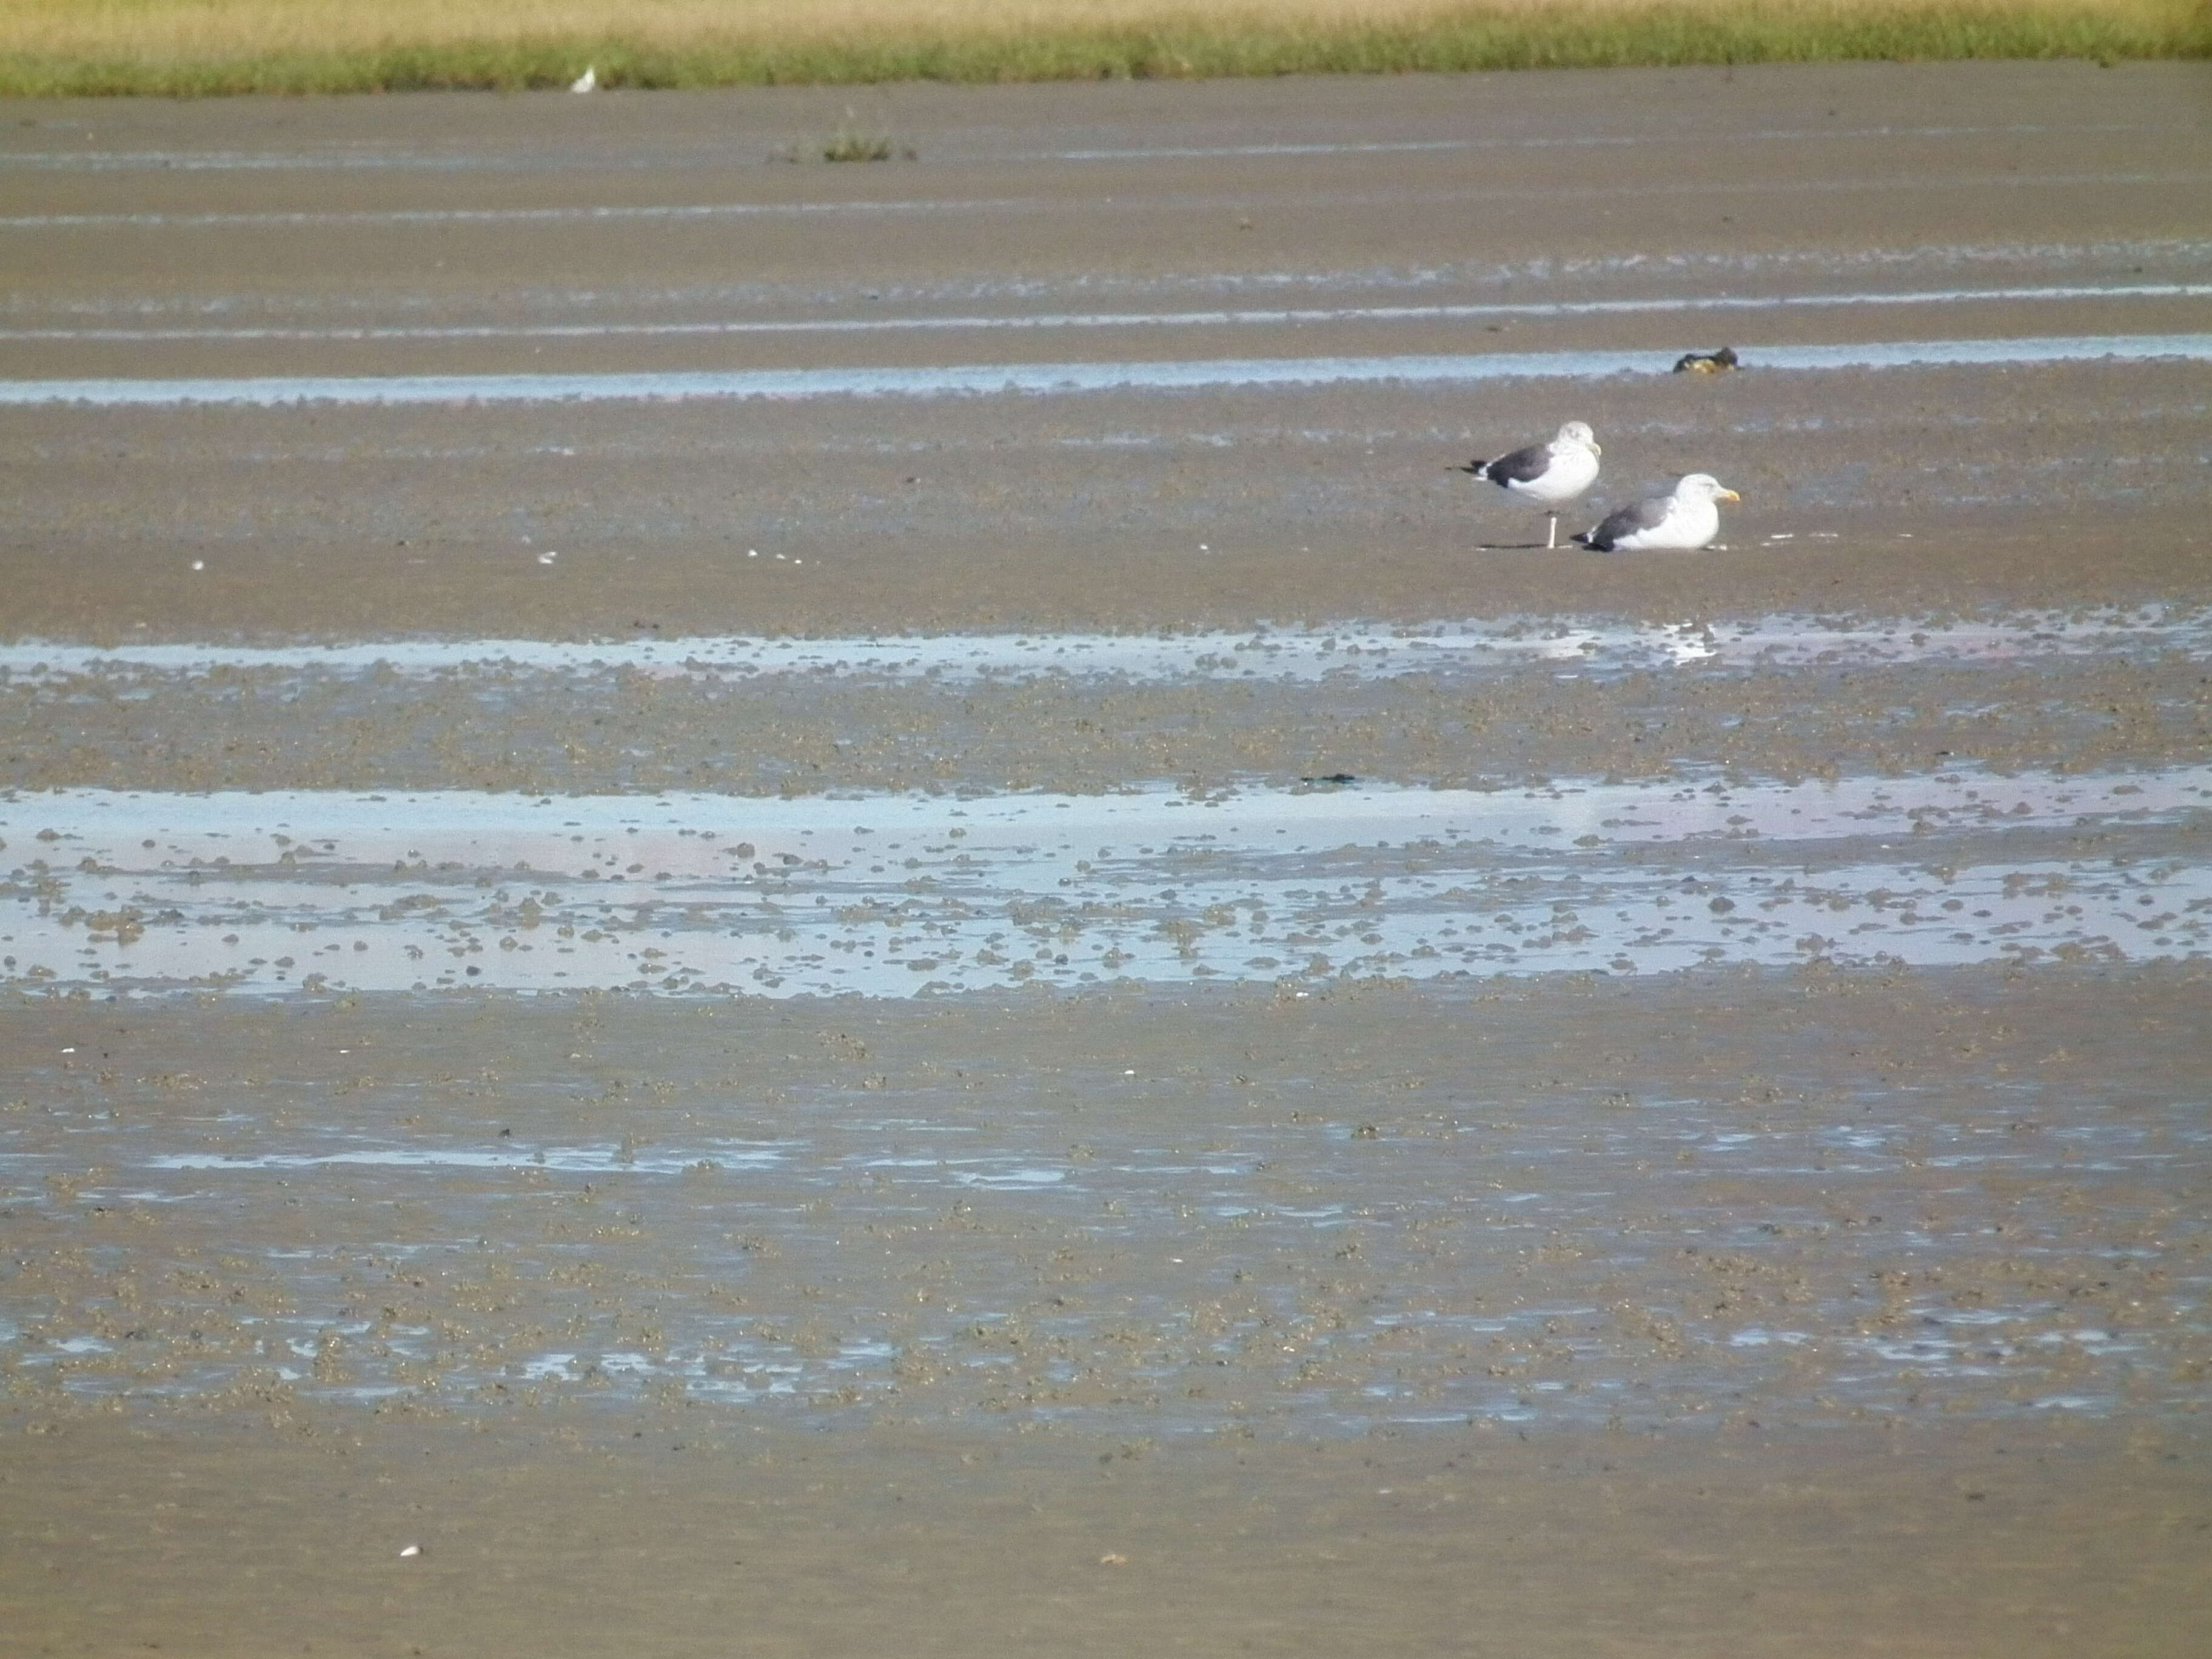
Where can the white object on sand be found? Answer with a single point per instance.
(1547, 474)
(588, 82)
(1687, 519)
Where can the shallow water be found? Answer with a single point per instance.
(308, 157)
(1290, 317)
(1072, 378)
(903, 894)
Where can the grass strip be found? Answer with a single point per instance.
(200, 48)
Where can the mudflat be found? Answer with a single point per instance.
(1558, 1313)
(796, 906)
(1141, 225)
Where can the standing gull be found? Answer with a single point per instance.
(1546, 474)
(1687, 519)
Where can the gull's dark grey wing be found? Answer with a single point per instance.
(1519, 467)
(1625, 521)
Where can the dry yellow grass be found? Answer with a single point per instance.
(213, 45)
(184, 27)
(188, 28)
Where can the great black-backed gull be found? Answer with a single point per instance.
(1687, 519)
(1546, 474)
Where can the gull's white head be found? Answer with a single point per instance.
(1578, 432)
(1703, 487)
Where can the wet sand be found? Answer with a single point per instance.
(1111, 1018)
(1905, 492)
(1866, 1309)
(1805, 1197)
(1939, 1542)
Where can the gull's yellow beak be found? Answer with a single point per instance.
(1727, 495)
(1597, 448)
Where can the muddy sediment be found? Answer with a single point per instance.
(2031, 1539)
(629, 732)
(1804, 1197)
(1830, 1301)
(1903, 492)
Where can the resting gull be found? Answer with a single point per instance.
(1687, 519)
(1546, 474)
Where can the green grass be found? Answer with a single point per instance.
(1478, 36)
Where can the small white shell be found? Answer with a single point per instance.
(411, 1550)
